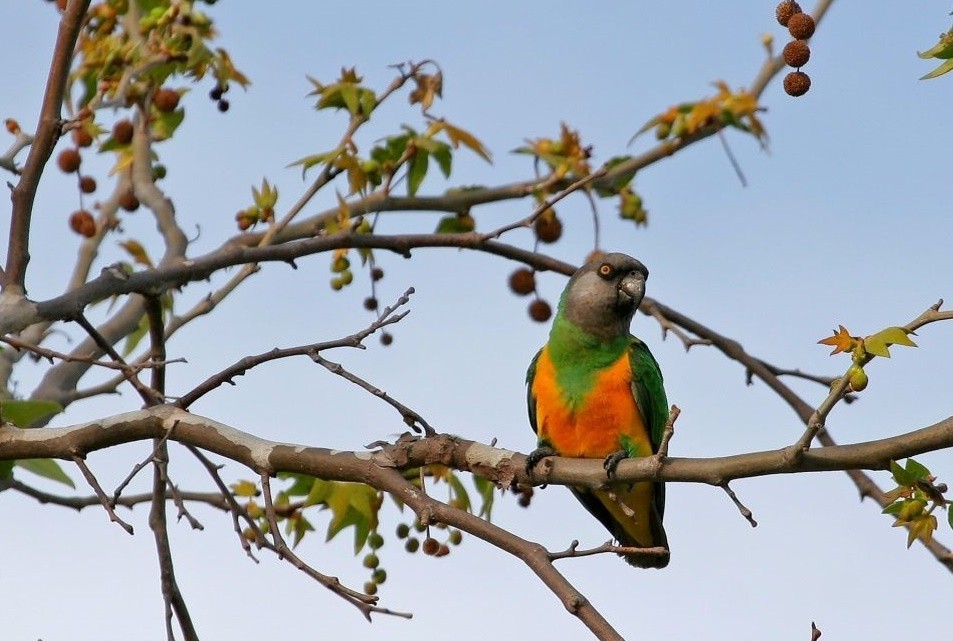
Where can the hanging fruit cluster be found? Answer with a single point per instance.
(797, 52)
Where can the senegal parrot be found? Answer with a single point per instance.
(595, 391)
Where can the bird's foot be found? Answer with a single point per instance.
(533, 458)
(612, 462)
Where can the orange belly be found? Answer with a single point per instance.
(595, 426)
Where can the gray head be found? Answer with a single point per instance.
(603, 294)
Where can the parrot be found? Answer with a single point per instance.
(595, 391)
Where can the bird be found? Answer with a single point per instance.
(595, 391)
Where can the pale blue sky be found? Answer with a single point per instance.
(846, 220)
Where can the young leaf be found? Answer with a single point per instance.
(135, 249)
(917, 470)
(244, 488)
(47, 468)
(463, 137)
(25, 413)
(417, 171)
(878, 344)
(841, 341)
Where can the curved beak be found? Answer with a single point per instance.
(632, 286)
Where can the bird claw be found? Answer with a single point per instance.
(612, 462)
(533, 458)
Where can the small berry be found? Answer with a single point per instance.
(375, 540)
(370, 588)
(87, 184)
(159, 172)
(540, 311)
(431, 546)
(402, 530)
(371, 561)
(370, 303)
(340, 264)
(379, 575)
(347, 277)
(336, 284)
(796, 53)
(128, 200)
(548, 228)
(69, 160)
(223, 105)
(797, 83)
(443, 550)
(82, 138)
(801, 26)
(456, 536)
(386, 338)
(785, 10)
(412, 544)
(523, 281)
(122, 132)
(166, 99)
(82, 223)
(376, 273)
(420, 527)
(216, 93)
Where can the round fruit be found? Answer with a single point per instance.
(379, 575)
(797, 83)
(403, 530)
(82, 223)
(785, 10)
(455, 537)
(801, 26)
(443, 550)
(548, 228)
(375, 540)
(371, 561)
(122, 132)
(128, 200)
(431, 546)
(166, 99)
(82, 138)
(370, 303)
(377, 273)
(796, 53)
(523, 281)
(540, 311)
(215, 93)
(857, 378)
(387, 338)
(412, 544)
(370, 588)
(87, 184)
(69, 160)
(223, 105)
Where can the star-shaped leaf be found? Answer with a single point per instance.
(841, 341)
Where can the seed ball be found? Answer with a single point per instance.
(370, 303)
(796, 53)
(540, 311)
(443, 550)
(412, 544)
(128, 200)
(379, 575)
(523, 282)
(403, 530)
(431, 546)
(370, 588)
(69, 160)
(455, 537)
(216, 93)
(785, 10)
(375, 540)
(548, 228)
(797, 83)
(386, 339)
(87, 184)
(82, 138)
(376, 274)
(122, 132)
(166, 99)
(371, 561)
(82, 223)
(801, 26)
(223, 105)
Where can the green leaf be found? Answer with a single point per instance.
(943, 49)
(368, 102)
(315, 159)
(165, 124)
(350, 98)
(460, 494)
(455, 224)
(946, 67)
(6, 469)
(417, 171)
(361, 530)
(893, 509)
(244, 488)
(916, 469)
(949, 515)
(25, 413)
(444, 158)
(320, 490)
(132, 341)
(300, 526)
(47, 468)
(487, 491)
(878, 344)
(901, 476)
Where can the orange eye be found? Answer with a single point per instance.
(605, 270)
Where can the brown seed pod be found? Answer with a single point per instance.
(69, 160)
(801, 26)
(785, 10)
(522, 282)
(122, 132)
(796, 53)
(128, 200)
(82, 138)
(387, 338)
(370, 303)
(797, 83)
(540, 311)
(82, 223)
(223, 105)
(376, 273)
(166, 99)
(548, 228)
(431, 545)
(87, 184)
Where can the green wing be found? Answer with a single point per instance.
(648, 390)
(530, 399)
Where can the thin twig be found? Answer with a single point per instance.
(103, 499)
(745, 512)
(138, 467)
(149, 396)
(51, 355)
(573, 551)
